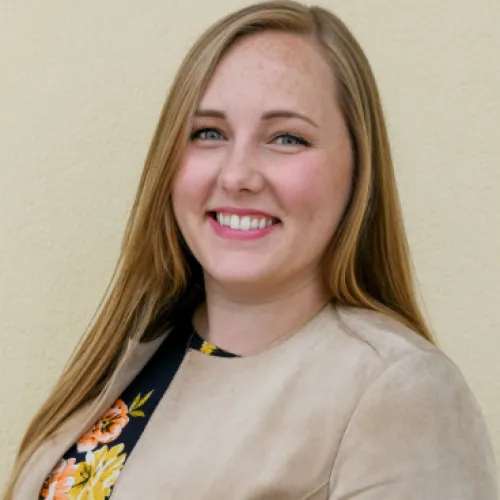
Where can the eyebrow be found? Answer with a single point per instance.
(268, 115)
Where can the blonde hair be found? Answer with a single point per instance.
(156, 279)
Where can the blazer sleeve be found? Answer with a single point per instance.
(417, 434)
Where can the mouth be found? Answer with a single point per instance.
(250, 222)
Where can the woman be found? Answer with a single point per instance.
(261, 338)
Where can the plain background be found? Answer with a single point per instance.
(81, 87)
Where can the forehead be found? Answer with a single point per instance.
(272, 69)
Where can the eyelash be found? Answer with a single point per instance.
(300, 140)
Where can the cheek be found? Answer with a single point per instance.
(191, 184)
(316, 191)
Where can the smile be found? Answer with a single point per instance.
(249, 226)
(243, 222)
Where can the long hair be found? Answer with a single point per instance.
(156, 279)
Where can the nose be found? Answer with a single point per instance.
(240, 172)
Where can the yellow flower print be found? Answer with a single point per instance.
(207, 348)
(95, 477)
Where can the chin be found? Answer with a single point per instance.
(238, 276)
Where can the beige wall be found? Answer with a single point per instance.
(81, 86)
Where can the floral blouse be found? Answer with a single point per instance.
(90, 468)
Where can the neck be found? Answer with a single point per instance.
(248, 326)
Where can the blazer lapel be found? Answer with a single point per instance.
(41, 463)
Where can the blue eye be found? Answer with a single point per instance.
(290, 140)
(206, 134)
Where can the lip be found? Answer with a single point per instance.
(235, 234)
(243, 211)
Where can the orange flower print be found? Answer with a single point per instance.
(60, 481)
(105, 430)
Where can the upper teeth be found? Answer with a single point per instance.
(243, 223)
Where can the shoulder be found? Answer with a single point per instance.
(386, 337)
(375, 353)
(415, 426)
(375, 340)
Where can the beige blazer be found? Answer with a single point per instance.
(354, 406)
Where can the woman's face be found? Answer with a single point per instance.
(267, 173)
